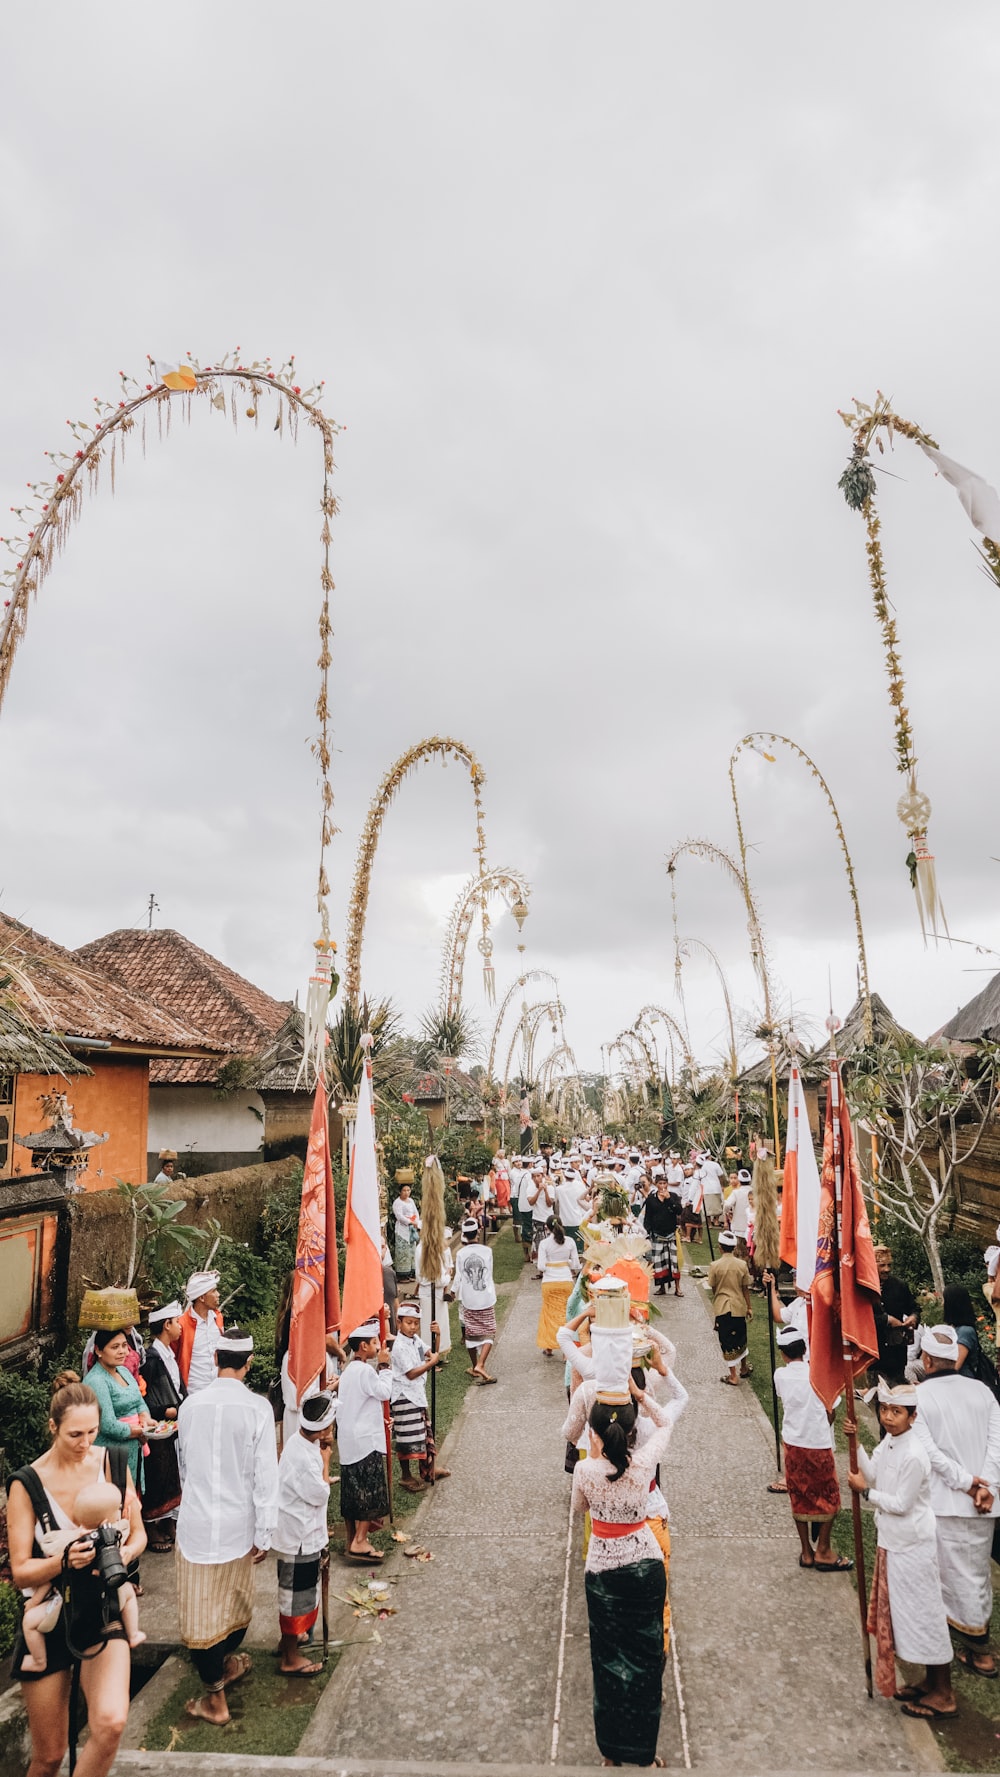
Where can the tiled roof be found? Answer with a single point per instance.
(82, 1001)
(233, 1016)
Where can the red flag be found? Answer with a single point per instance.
(842, 1322)
(316, 1286)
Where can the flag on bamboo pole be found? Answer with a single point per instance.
(800, 1191)
(316, 1285)
(364, 1292)
(981, 501)
(846, 1284)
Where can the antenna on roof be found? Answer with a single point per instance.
(154, 907)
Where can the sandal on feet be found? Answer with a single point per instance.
(244, 1664)
(730, 1381)
(303, 1671)
(195, 1707)
(841, 1565)
(777, 1487)
(908, 1693)
(927, 1712)
(808, 1565)
(966, 1658)
(442, 1474)
(367, 1557)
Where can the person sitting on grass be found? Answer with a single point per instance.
(906, 1612)
(810, 1471)
(364, 1492)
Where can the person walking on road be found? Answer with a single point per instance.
(729, 1282)
(477, 1298)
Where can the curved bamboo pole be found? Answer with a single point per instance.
(635, 1036)
(705, 848)
(45, 518)
(512, 888)
(527, 1030)
(684, 949)
(521, 982)
(649, 1013)
(750, 740)
(440, 746)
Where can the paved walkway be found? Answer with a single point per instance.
(488, 1659)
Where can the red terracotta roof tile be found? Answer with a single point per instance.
(184, 981)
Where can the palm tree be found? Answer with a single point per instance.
(446, 1036)
(345, 1055)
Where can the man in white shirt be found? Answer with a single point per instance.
(807, 1440)
(364, 1489)
(525, 1190)
(301, 1533)
(477, 1299)
(712, 1175)
(541, 1197)
(738, 1211)
(201, 1330)
(229, 1475)
(958, 1423)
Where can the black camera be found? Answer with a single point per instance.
(108, 1557)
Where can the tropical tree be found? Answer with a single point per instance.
(345, 1055)
(446, 1036)
(929, 1109)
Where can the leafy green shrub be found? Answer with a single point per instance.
(279, 1225)
(10, 1615)
(24, 1419)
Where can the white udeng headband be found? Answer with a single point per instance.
(326, 1419)
(245, 1343)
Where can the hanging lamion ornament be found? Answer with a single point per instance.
(867, 424)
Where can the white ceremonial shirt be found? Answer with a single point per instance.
(796, 1314)
(899, 1475)
(229, 1473)
(525, 1183)
(207, 1339)
(303, 1499)
(739, 1211)
(360, 1420)
(407, 1354)
(474, 1284)
(569, 1202)
(804, 1422)
(958, 1424)
(712, 1175)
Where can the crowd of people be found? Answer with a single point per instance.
(160, 1444)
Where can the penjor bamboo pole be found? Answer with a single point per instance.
(852, 1438)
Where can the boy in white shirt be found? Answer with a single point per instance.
(364, 1492)
(807, 1441)
(412, 1437)
(301, 1535)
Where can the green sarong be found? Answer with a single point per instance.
(625, 1608)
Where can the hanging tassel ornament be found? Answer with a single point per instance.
(914, 811)
(485, 948)
(323, 984)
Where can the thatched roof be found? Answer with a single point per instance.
(231, 1015)
(979, 1021)
(276, 1068)
(850, 1038)
(24, 1049)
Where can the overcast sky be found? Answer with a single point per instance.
(587, 284)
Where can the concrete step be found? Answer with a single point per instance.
(220, 1764)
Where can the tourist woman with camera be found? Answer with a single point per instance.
(41, 1495)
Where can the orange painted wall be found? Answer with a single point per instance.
(114, 1098)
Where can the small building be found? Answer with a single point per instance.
(225, 1109)
(814, 1068)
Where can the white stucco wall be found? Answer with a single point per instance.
(185, 1117)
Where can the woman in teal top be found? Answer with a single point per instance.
(118, 1397)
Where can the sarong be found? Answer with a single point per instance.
(661, 1530)
(964, 1547)
(364, 1494)
(732, 1331)
(412, 1437)
(663, 1258)
(906, 1612)
(527, 1222)
(298, 1593)
(625, 1609)
(813, 1488)
(405, 1247)
(213, 1600)
(161, 1481)
(552, 1316)
(479, 1326)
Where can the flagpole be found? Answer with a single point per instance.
(852, 1440)
(383, 1325)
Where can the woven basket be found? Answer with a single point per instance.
(405, 1175)
(109, 1309)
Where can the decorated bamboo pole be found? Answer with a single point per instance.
(756, 743)
(852, 1437)
(705, 848)
(432, 1226)
(683, 949)
(767, 1257)
(513, 889)
(443, 747)
(867, 424)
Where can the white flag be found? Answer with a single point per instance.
(981, 501)
(802, 1174)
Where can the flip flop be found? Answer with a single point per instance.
(486, 1379)
(196, 1710)
(927, 1712)
(964, 1658)
(301, 1671)
(729, 1381)
(908, 1693)
(841, 1565)
(809, 1566)
(371, 1560)
(777, 1487)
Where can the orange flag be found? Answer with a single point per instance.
(316, 1286)
(842, 1322)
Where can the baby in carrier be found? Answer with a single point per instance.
(96, 1510)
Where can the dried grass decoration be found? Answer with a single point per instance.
(766, 1231)
(432, 1223)
(109, 1310)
